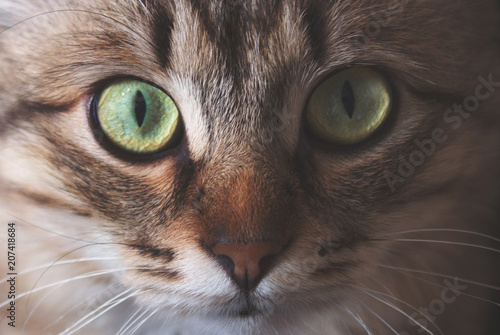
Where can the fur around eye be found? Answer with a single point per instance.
(137, 117)
(349, 106)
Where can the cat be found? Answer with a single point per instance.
(249, 167)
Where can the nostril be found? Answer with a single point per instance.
(225, 262)
(266, 263)
(246, 263)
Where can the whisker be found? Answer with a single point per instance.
(86, 301)
(97, 310)
(496, 288)
(73, 261)
(443, 286)
(131, 321)
(381, 284)
(360, 321)
(47, 230)
(137, 247)
(113, 301)
(399, 310)
(444, 230)
(36, 306)
(444, 242)
(144, 7)
(406, 304)
(87, 275)
(74, 250)
(48, 268)
(376, 315)
(144, 321)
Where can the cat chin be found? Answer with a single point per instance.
(280, 321)
(242, 314)
(293, 321)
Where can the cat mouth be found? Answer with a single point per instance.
(244, 308)
(246, 312)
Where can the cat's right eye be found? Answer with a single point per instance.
(348, 107)
(138, 117)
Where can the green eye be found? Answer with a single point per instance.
(138, 117)
(349, 106)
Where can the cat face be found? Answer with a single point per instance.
(260, 210)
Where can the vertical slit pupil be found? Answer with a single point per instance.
(348, 99)
(140, 108)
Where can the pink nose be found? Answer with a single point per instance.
(247, 267)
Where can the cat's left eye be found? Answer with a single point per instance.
(138, 117)
(349, 106)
